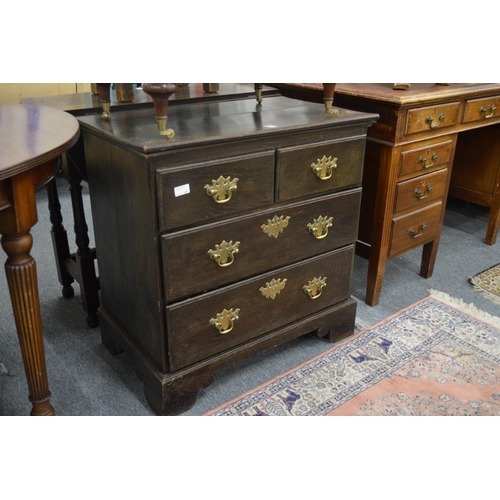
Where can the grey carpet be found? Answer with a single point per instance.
(86, 380)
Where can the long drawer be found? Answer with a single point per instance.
(205, 326)
(218, 254)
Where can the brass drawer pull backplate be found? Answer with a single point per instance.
(224, 253)
(315, 287)
(323, 167)
(273, 288)
(275, 226)
(319, 227)
(222, 189)
(224, 321)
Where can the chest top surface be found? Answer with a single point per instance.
(217, 122)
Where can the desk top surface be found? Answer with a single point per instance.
(418, 93)
(32, 135)
(216, 122)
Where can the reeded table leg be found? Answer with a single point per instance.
(17, 216)
(21, 274)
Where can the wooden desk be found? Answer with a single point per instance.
(32, 139)
(79, 266)
(420, 135)
(217, 244)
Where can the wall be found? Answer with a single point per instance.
(13, 92)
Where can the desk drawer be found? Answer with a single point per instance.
(238, 184)
(482, 109)
(415, 229)
(420, 191)
(431, 118)
(339, 164)
(422, 159)
(194, 333)
(206, 258)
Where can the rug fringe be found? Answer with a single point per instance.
(467, 308)
(476, 286)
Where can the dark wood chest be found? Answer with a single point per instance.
(236, 235)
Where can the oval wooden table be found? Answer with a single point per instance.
(32, 138)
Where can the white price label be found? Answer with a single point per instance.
(181, 190)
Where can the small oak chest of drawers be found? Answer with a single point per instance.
(232, 237)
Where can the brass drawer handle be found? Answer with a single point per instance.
(273, 288)
(315, 287)
(224, 321)
(323, 167)
(222, 189)
(224, 253)
(418, 194)
(423, 160)
(275, 226)
(490, 114)
(431, 123)
(414, 234)
(319, 227)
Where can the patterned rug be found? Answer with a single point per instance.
(487, 283)
(437, 357)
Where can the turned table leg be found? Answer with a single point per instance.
(59, 240)
(21, 274)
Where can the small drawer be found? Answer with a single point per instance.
(423, 159)
(415, 193)
(314, 170)
(214, 322)
(205, 258)
(415, 229)
(482, 109)
(431, 118)
(214, 189)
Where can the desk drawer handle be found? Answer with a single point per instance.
(490, 114)
(315, 287)
(324, 168)
(319, 227)
(224, 253)
(423, 160)
(224, 321)
(418, 194)
(433, 124)
(222, 189)
(414, 234)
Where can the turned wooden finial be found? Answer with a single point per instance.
(105, 95)
(160, 93)
(328, 91)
